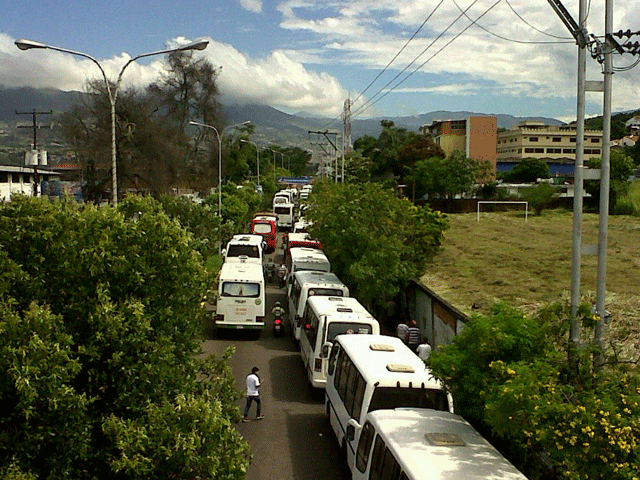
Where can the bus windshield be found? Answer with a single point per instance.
(250, 251)
(395, 397)
(338, 328)
(240, 289)
(325, 292)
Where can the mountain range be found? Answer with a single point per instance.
(272, 126)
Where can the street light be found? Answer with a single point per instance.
(24, 44)
(257, 157)
(219, 135)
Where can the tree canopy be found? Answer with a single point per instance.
(375, 240)
(101, 330)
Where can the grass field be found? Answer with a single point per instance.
(527, 264)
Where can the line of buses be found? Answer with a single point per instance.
(392, 419)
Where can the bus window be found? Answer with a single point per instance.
(394, 397)
(332, 359)
(364, 446)
(240, 289)
(338, 328)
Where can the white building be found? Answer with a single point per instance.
(22, 180)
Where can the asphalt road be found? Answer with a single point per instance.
(294, 440)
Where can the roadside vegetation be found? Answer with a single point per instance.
(102, 327)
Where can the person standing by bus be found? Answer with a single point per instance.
(253, 394)
(402, 330)
(413, 335)
(424, 350)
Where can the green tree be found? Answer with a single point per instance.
(527, 171)
(357, 168)
(102, 327)
(540, 196)
(621, 167)
(447, 177)
(384, 151)
(510, 376)
(376, 241)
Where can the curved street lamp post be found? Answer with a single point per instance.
(219, 135)
(24, 44)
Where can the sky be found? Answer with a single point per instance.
(388, 57)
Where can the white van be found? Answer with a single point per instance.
(241, 296)
(246, 246)
(286, 215)
(323, 319)
(421, 444)
(307, 284)
(301, 259)
(374, 372)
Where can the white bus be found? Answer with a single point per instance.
(241, 296)
(305, 284)
(286, 215)
(301, 259)
(374, 372)
(324, 318)
(247, 247)
(421, 444)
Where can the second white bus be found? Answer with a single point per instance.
(373, 372)
(241, 296)
(420, 444)
(307, 284)
(325, 318)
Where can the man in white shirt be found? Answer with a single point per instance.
(253, 394)
(424, 350)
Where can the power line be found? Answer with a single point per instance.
(500, 36)
(392, 60)
(534, 28)
(432, 56)
(366, 105)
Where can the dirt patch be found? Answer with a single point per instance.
(528, 264)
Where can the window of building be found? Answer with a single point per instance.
(538, 150)
(15, 177)
(568, 150)
(556, 139)
(595, 140)
(573, 139)
(528, 150)
(533, 139)
(4, 178)
(554, 150)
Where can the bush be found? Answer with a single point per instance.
(539, 197)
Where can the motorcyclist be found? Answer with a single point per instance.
(277, 310)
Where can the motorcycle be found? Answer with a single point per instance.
(278, 321)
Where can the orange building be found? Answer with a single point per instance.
(476, 137)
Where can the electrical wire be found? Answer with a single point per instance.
(474, 22)
(364, 106)
(628, 67)
(334, 120)
(535, 28)
(436, 53)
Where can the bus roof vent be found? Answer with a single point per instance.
(400, 368)
(382, 347)
(440, 439)
(344, 309)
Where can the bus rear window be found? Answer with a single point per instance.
(325, 292)
(240, 289)
(338, 328)
(250, 251)
(394, 397)
(261, 228)
(283, 210)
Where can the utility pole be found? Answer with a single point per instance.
(334, 144)
(34, 114)
(602, 52)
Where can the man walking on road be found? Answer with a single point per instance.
(253, 394)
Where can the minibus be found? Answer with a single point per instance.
(422, 444)
(307, 284)
(286, 214)
(241, 296)
(323, 319)
(373, 372)
(246, 246)
(265, 226)
(299, 259)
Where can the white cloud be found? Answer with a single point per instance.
(280, 79)
(254, 6)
